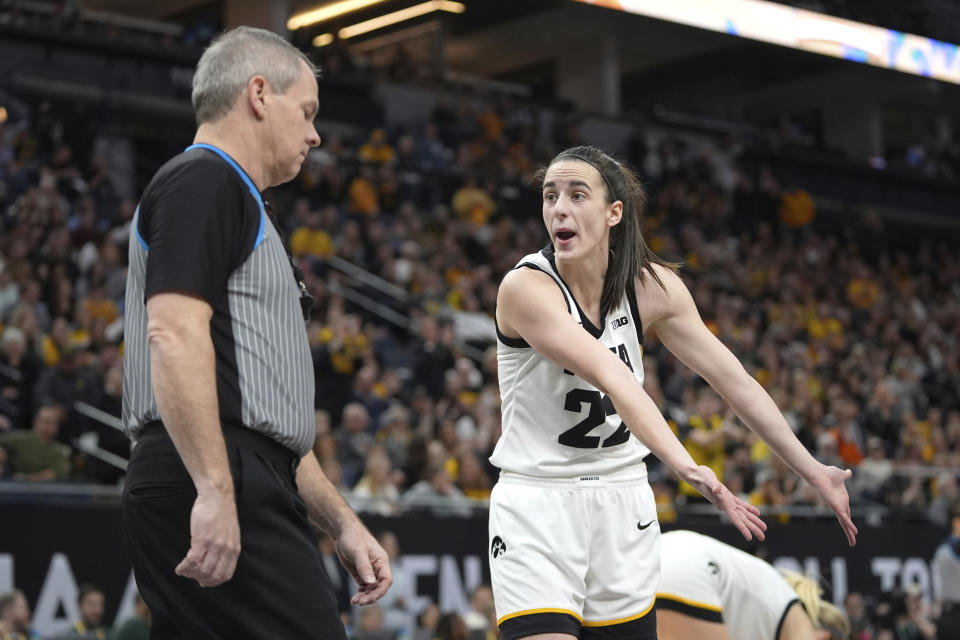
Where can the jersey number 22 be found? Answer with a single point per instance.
(600, 406)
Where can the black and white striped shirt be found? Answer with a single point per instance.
(201, 229)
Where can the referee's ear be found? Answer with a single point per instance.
(256, 95)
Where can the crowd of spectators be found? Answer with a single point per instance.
(851, 326)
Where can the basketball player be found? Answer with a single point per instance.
(712, 591)
(574, 543)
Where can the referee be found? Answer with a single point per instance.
(218, 381)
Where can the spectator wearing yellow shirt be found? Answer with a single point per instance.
(863, 292)
(797, 209)
(376, 149)
(363, 193)
(99, 306)
(472, 478)
(492, 123)
(768, 493)
(62, 338)
(825, 326)
(311, 240)
(705, 438)
(471, 203)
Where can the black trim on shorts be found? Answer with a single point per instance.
(643, 628)
(689, 610)
(534, 623)
(783, 616)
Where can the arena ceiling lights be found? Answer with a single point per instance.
(337, 9)
(409, 13)
(328, 12)
(806, 30)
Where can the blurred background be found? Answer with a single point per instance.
(802, 161)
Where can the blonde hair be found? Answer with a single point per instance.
(824, 614)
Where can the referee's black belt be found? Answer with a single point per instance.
(244, 436)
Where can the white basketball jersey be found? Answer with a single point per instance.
(704, 573)
(556, 424)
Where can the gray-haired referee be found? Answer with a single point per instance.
(218, 381)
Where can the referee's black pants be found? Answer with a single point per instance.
(280, 588)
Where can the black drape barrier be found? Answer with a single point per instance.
(48, 550)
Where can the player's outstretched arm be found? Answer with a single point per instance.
(531, 306)
(673, 314)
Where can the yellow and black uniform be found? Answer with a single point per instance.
(707, 579)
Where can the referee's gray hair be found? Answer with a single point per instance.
(234, 57)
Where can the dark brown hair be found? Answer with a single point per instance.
(630, 254)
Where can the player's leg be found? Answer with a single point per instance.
(624, 561)
(538, 557)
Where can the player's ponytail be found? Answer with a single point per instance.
(824, 614)
(630, 256)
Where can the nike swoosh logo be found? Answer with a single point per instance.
(644, 526)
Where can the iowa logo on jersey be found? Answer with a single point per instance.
(622, 321)
(498, 546)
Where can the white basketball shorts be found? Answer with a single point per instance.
(574, 552)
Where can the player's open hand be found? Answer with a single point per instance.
(743, 515)
(214, 539)
(829, 483)
(366, 561)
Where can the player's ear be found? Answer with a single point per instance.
(615, 213)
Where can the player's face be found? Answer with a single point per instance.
(293, 132)
(575, 209)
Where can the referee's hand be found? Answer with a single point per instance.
(367, 562)
(214, 539)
